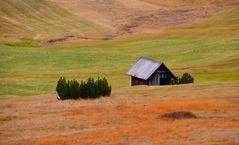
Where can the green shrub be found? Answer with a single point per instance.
(91, 88)
(83, 90)
(106, 89)
(86, 90)
(185, 79)
(73, 89)
(61, 88)
(175, 81)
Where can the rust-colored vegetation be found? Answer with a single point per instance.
(125, 118)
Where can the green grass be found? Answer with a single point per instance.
(208, 49)
(30, 71)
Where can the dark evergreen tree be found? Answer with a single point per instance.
(74, 89)
(60, 88)
(83, 90)
(186, 78)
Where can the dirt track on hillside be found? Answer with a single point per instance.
(173, 17)
(151, 21)
(130, 116)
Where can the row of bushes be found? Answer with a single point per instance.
(91, 88)
(185, 79)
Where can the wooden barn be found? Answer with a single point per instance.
(150, 72)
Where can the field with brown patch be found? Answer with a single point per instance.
(42, 40)
(130, 116)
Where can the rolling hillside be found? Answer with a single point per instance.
(145, 16)
(181, 3)
(81, 19)
(41, 20)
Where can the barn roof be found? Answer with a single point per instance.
(144, 68)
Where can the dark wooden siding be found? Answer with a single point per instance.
(137, 81)
(154, 79)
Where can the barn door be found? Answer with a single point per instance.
(155, 80)
(164, 80)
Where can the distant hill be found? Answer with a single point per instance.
(41, 19)
(61, 20)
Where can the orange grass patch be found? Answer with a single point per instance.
(125, 120)
(50, 140)
(197, 105)
(86, 111)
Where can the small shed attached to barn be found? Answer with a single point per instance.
(150, 72)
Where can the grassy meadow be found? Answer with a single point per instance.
(31, 71)
(207, 48)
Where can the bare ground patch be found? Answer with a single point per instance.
(172, 17)
(178, 115)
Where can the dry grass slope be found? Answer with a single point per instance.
(42, 19)
(184, 3)
(56, 19)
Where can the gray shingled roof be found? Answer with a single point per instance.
(144, 68)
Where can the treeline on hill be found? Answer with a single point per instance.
(89, 89)
(185, 79)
